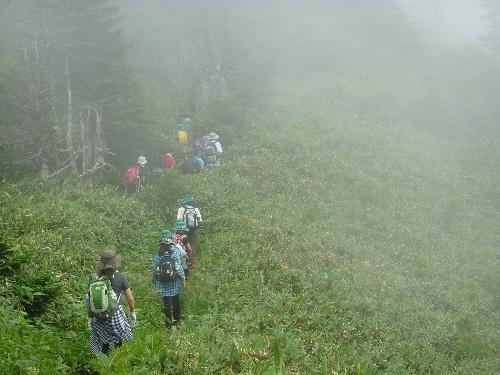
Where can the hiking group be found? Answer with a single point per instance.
(206, 151)
(171, 265)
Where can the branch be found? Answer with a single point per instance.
(60, 170)
(95, 168)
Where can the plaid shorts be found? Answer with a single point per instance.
(109, 331)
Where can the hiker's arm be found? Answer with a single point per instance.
(180, 213)
(153, 273)
(130, 299)
(189, 250)
(178, 264)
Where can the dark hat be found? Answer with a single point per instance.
(108, 259)
(186, 199)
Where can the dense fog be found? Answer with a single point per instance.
(350, 225)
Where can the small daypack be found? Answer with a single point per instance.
(103, 302)
(131, 175)
(166, 271)
(190, 217)
(209, 149)
(168, 161)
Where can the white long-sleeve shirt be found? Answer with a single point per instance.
(218, 147)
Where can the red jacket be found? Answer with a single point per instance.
(168, 161)
(131, 175)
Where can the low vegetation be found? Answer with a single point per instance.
(371, 249)
(352, 227)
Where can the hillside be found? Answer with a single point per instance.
(352, 227)
(335, 247)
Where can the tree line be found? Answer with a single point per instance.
(77, 85)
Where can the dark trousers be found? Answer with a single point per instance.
(106, 347)
(193, 241)
(172, 309)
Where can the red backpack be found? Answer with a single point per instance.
(131, 175)
(168, 161)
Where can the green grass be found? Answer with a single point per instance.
(332, 245)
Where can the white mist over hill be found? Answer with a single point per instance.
(447, 20)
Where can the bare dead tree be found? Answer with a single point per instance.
(40, 119)
(83, 141)
(48, 133)
(210, 74)
(69, 131)
(99, 144)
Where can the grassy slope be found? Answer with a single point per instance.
(373, 252)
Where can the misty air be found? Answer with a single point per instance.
(250, 187)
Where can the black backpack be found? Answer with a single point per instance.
(189, 166)
(166, 270)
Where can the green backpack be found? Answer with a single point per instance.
(102, 299)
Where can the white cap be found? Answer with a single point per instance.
(142, 160)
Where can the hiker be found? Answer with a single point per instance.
(182, 128)
(187, 119)
(211, 150)
(169, 161)
(133, 175)
(192, 217)
(168, 278)
(193, 165)
(181, 239)
(218, 146)
(109, 328)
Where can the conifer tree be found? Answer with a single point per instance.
(74, 80)
(492, 38)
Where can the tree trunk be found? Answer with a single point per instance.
(69, 134)
(99, 144)
(83, 140)
(44, 172)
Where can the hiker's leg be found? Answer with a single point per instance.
(193, 241)
(167, 303)
(105, 349)
(138, 184)
(176, 302)
(190, 241)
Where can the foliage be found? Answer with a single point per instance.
(68, 47)
(344, 233)
(368, 256)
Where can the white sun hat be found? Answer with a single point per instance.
(213, 136)
(142, 160)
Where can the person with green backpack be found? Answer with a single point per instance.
(107, 318)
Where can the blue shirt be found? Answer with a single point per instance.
(169, 288)
(200, 162)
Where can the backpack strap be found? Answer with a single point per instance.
(186, 208)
